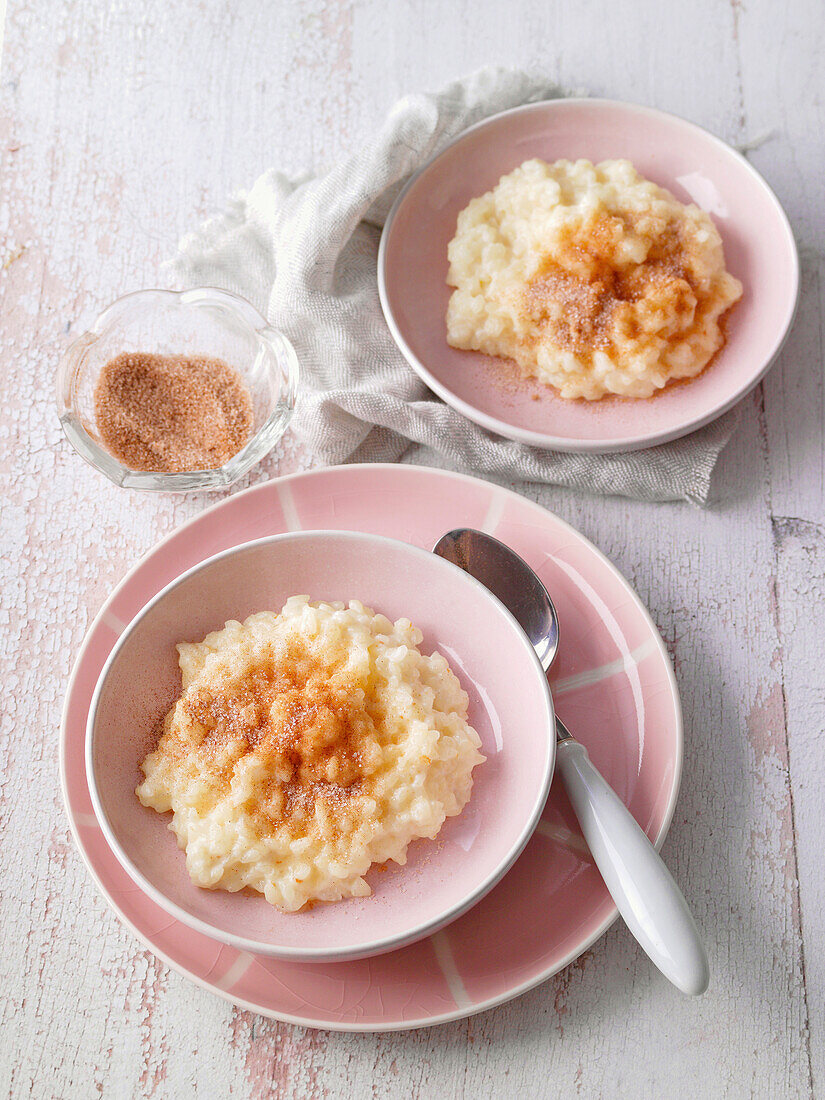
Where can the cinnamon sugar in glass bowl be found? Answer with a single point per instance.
(204, 323)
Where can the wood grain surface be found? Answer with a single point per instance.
(122, 125)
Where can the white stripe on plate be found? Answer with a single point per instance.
(288, 505)
(572, 841)
(604, 672)
(444, 956)
(494, 513)
(235, 972)
(629, 660)
(116, 625)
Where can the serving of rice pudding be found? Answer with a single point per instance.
(593, 279)
(306, 746)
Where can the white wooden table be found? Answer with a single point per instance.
(122, 126)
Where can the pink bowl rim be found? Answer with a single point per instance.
(378, 946)
(459, 1013)
(590, 446)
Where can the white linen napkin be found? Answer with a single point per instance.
(304, 252)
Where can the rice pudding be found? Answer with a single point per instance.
(591, 278)
(306, 746)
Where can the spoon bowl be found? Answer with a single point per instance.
(512, 580)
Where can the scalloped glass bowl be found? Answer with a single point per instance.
(203, 321)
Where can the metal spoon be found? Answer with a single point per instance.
(641, 886)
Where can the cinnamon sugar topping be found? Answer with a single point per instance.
(310, 734)
(586, 297)
(172, 413)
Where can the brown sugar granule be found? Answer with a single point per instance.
(172, 413)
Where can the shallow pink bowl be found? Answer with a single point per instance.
(510, 706)
(694, 165)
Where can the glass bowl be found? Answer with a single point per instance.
(203, 321)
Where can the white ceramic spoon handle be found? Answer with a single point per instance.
(645, 894)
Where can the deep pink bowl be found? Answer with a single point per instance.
(510, 706)
(691, 163)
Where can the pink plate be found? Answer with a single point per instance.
(510, 707)
(613, 685)
(694, 165)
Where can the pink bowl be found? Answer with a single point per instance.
(694, 165)
(510, 706)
